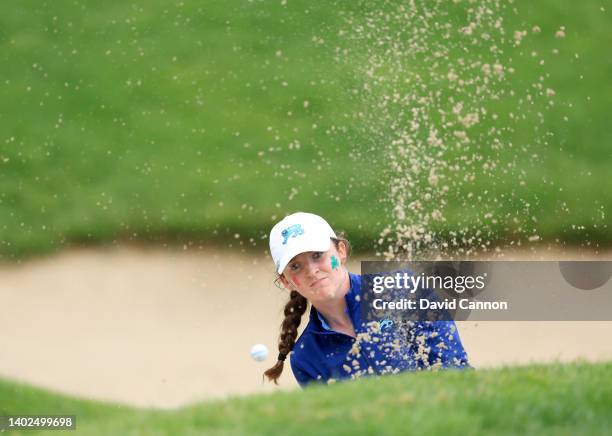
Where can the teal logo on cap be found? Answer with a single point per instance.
(292, 232)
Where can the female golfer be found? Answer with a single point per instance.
(310, 262)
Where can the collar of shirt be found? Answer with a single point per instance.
(324, 323)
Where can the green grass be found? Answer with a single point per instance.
(558, 399)
(167, 121)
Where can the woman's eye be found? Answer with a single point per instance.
(294, 267)
(317, 255)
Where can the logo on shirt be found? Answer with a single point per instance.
(292, 232)
(385, 324)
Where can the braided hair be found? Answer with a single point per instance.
(294, 309)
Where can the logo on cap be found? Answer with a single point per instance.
(292, 232)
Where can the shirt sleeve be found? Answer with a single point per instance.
(440, 342)
(302, 377)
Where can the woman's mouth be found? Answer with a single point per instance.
(317, 282)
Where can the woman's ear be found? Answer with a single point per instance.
(284, 281)
(342, 252)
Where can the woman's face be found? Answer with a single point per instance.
(317, 276)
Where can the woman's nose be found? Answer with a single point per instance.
(312, 267)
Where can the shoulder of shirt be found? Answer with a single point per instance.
(355, 283)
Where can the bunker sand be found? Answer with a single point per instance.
(163, 328)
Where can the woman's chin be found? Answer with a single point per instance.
(325, 293)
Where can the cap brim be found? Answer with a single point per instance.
(322, 245)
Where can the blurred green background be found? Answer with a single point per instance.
(205, 122)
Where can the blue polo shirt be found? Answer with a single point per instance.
(321, 354)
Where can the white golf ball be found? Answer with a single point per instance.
(259, 352)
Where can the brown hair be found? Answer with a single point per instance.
(294, 309)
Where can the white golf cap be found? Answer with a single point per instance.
(298, 233)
